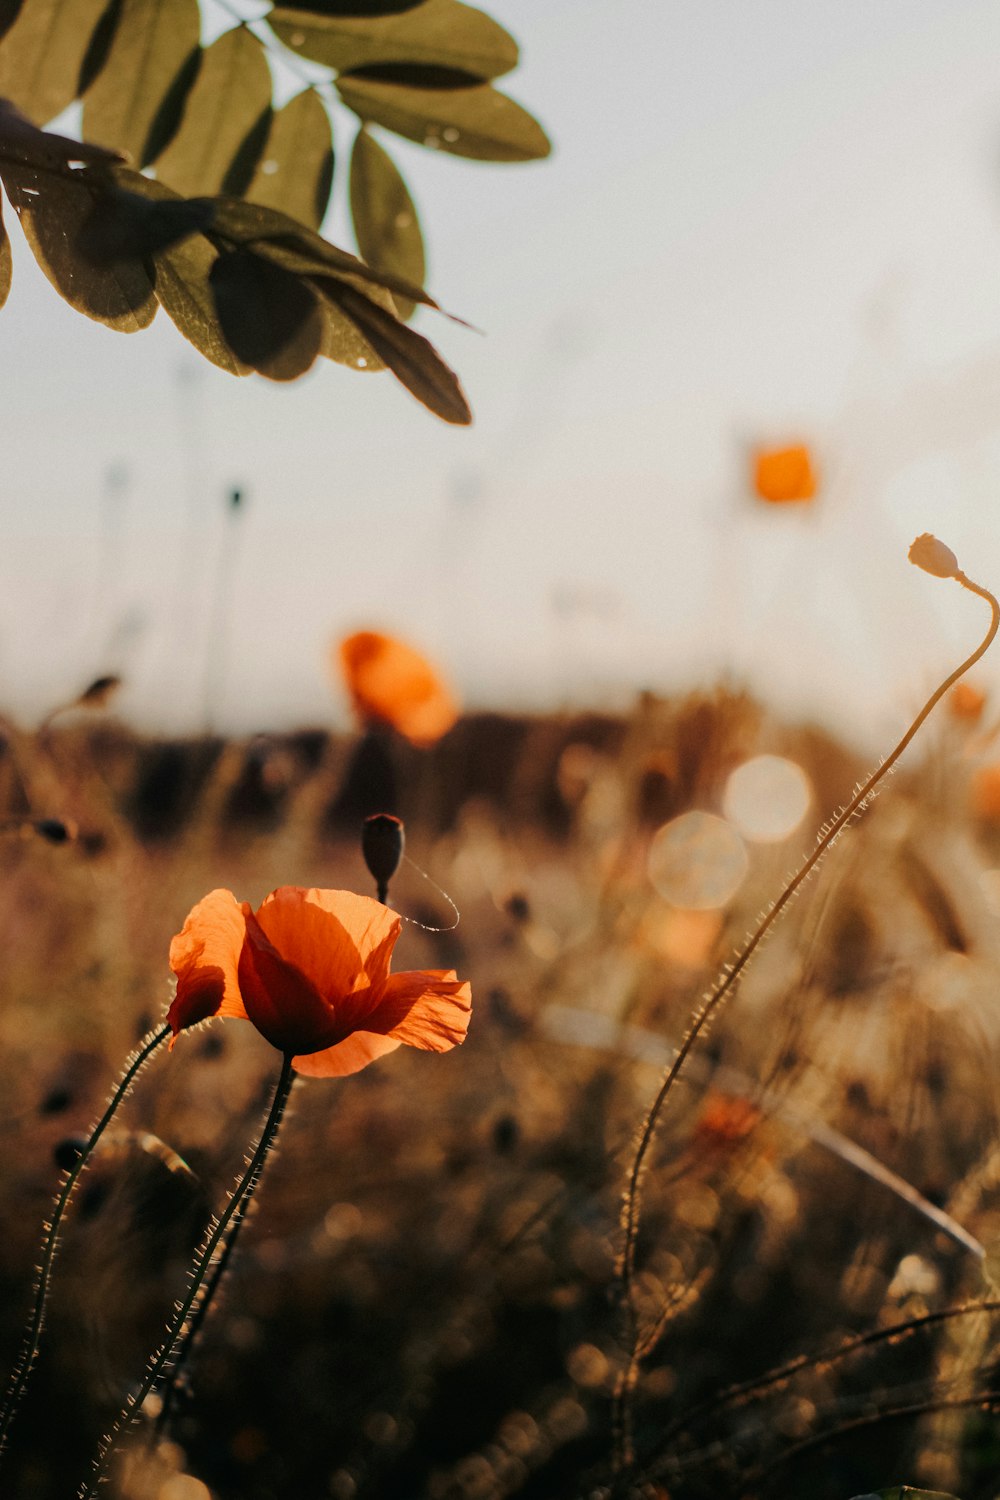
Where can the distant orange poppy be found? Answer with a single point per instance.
(985, 793)
(390, 683)
(310, 969)
(966, 702)
(783, 474)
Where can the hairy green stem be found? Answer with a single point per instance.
(50, 1234)
(244, 1188)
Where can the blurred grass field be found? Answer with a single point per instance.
(425, 1303)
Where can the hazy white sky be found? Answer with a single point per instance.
(763, 220)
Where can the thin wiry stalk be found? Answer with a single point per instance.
(199, 1314)
(632, 1202)
(985, 1400)
(745, 1391)
(50, 1233)
(183, 1309)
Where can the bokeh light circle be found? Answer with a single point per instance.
(766, 798)
(697, 861)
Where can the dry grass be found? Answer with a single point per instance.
(425, 1302)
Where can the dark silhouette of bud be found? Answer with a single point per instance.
(54, 830)
(69, 1151)
(99, 691)
(382, 841)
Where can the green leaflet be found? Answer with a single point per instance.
(271, 319)
(412, 359)
(142, 75)
(295, 170)
(385, 219)
(443, 33)
(54, 211)
(180, 277)
(477, 121)
(222, 130)
(42, 55)
(6, 263)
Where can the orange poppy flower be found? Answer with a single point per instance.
(985, 793)
(783, 474)
(390, 683)
(310, 969)
(966, 702)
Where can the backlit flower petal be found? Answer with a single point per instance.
(784, 474)
(340, 941)
(349, 1056)
(425, 1008)
(280, 1000)
(205, 956)
(390, 683)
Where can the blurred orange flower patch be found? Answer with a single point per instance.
(985, 793)
(966, 702)
(784, 474)
(310, 969)
(725, 1120)
(392, 684)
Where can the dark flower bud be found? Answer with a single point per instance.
(382, 842)
(69, 1151)
(54, 830)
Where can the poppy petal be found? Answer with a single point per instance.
(425, 1008)
(390, 683)
(341, 941)
(205, 957)
(280, 1000)
(349, 1056)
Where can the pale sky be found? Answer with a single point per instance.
(764, 220)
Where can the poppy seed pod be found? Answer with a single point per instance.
(383, 839)
(934, 557)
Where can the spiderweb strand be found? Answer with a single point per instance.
(443, 894)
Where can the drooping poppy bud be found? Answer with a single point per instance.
(383, 839)
(933, 556)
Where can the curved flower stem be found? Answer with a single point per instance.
(632, 1201)
(50, 1234)
(244, 1188)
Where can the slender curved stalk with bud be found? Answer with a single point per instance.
(935, 558)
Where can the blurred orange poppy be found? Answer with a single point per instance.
(966, 702)
(310, 969)
(985, 793)
(390, 683)
(783, 474)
